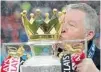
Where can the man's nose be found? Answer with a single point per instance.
(64, 28)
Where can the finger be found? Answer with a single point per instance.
(82, 63)
(80, 69)
(79, 65)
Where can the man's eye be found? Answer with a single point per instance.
(71, 24)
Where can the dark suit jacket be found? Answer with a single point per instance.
(96, 57)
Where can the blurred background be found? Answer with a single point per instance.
(12, 29)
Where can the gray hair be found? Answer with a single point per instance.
(91, 21)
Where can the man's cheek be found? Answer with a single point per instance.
(65, 36)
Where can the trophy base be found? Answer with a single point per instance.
(41, 64)
(41, 68)
(44, 37)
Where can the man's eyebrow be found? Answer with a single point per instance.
(65, 21)
(72, 22)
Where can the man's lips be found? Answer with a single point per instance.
(62, 32)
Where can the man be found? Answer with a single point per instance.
(80, 22)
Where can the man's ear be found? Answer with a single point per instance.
(90, 35)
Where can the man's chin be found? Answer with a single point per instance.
(64, 39)
(61, 38)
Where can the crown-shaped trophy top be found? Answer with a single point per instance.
(40, 28)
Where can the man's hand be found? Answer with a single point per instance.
(86, 65)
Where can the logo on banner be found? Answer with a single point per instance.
(66, 63)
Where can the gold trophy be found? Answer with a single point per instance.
(38, 28)
(41, 31)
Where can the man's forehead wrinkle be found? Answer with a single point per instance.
(74, 15)
(66, 20)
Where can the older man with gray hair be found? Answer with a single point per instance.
(80, 22)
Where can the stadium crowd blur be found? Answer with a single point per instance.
(12, 29)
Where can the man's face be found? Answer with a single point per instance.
(73, 25)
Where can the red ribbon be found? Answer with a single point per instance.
(77, 58)
(5, 64)
(10, 64)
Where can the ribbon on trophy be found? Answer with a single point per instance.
(69, 61)
(10, 64)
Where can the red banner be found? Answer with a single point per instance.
(10, 64)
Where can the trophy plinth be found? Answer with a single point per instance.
(45, 55)
(42, 64)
